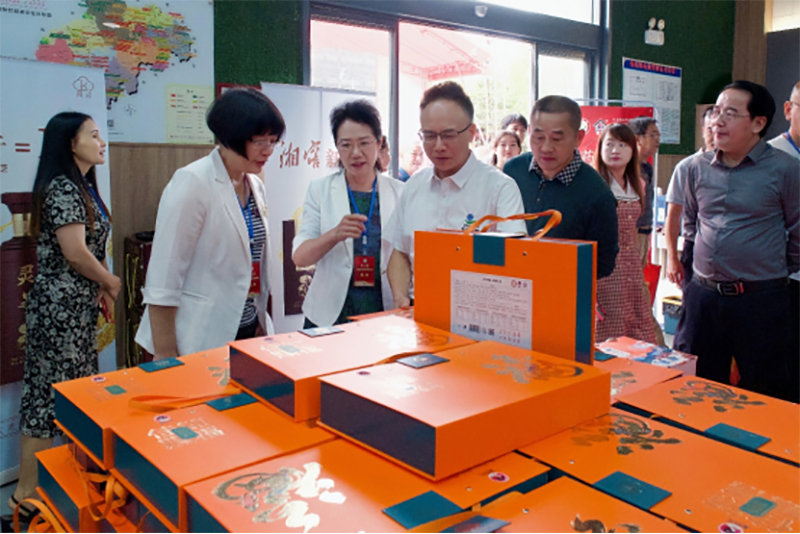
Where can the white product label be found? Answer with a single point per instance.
(491, 307)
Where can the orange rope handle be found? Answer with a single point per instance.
(479, 226)
(45, 516)
(165, 403)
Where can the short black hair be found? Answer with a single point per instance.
(708, 111)
(639, 125)
(241, 113)
(360, 111)
(761, 103)
(559, 104)
(511, 119)
(448, 91)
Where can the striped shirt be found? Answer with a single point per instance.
(250, 314)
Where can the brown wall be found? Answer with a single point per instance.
(139, 174)
(750, 42)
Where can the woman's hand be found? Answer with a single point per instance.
(111, 286)
(351, 226)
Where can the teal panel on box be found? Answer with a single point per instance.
(115, 390)
(584, 311)
(80, 425)
(489, 250)
(157, 488)
(65, 506)
(737, 436)
(234, 401)
(632, 490)
(600, 356)
(199, 518)
(159, 365)
(422, 509)
(757, 506)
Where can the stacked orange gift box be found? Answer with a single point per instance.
(386, 424)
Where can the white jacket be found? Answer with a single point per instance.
(326, 203)
(201, 261)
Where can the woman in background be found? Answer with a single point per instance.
(623, 305)
(72, 224)
(507, 145)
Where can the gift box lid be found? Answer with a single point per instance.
(683, 476)
(340, 487)
(738, 417)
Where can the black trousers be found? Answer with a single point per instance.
(793, 355)
(247, 331)
(752, 327)
(687, 260)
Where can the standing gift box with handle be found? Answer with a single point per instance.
(532, 293)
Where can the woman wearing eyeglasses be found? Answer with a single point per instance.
(344, 216)
(207, 280)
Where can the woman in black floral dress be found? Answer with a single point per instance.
(72, 224)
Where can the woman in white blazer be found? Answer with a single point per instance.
(344, 219)
(207, 280)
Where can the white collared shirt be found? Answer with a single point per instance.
(455, 202)
(623, 194)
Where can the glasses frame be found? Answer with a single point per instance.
(716, 113)
(440, 135)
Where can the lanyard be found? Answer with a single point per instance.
(791, 141)
(99, 203)
(371, 205)
(248, 218)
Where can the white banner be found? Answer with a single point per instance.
(306, 152)
(34, 91)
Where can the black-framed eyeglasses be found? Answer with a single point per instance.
(448, 136)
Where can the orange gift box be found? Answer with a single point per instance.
(565, 505)
(477, 403)
(628, 376)
(406, 313)
(537, 295)
(86, 408)
(340, 487)
(157, 457)
(284, 370)
(755, 422)
(687, 478)
(63, 489)
(644, 352)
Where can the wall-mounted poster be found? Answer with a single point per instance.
(142, 45)
(660, 84)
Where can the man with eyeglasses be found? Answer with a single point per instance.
(553, 176)
(648, 137)
(458, 190)
(789, 141)
(744, 203)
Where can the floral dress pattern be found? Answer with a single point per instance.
(60, 312)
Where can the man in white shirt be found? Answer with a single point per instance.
(789, 142)
(458, 190)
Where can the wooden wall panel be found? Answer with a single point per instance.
(139, 174)
(750, 42)
(666, 164)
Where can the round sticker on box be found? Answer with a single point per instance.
(731, 528)
(98, 379)
(161, 418)
(499, 477)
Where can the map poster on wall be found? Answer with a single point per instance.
(142, 45)
(660, 84)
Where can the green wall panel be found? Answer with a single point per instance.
(699, 39)
(258, 41)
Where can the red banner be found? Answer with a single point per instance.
(595, 120)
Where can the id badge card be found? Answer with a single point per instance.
(364, 271)
(255, 279)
